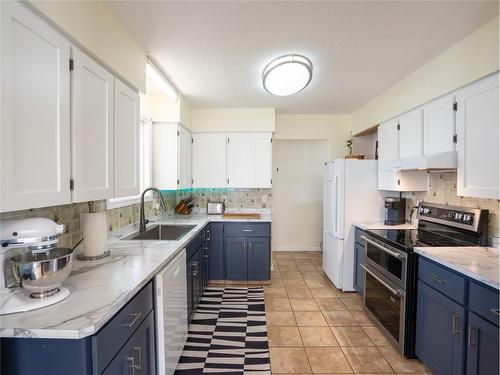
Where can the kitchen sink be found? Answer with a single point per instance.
(165, 232)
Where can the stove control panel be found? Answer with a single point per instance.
(464, 217)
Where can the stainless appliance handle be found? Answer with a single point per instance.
(390, 252)
(391, 289)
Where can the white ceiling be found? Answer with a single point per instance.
(214, 52)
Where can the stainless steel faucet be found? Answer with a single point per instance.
(143, 221)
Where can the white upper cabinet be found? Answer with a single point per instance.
(439, 126)
(262, 160)
(35, 111)
(388, 145)
(127, 178)
(171, 156)
(209, 160)
(239, 160)
(478, 139)
(91, 130)
(403, 180)
(184, 152)
(249, 160)
(411, 135)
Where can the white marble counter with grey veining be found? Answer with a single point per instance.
(100, 288)
(478, 263)
(381, 225)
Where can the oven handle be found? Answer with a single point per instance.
(391, 289)
(390, 252)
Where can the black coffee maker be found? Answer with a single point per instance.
(395, 210)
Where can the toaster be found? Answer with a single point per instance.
(215, 208)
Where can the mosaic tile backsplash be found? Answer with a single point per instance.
(443, 189)
(69, 214)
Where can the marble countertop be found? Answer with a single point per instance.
(478, 263)
(380, 225)
(100, 288)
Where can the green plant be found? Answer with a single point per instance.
(349, 146)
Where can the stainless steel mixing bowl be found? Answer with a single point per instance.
(42, 273)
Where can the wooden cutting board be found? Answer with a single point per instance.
(241, 216)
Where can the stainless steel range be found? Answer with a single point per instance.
(391, 265)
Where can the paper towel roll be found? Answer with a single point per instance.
(94, 230)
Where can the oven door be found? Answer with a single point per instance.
(385, 303)
(388, 260)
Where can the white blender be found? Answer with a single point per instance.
(32, 267)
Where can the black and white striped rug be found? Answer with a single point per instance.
(228, 334)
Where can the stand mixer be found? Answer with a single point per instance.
(32, 267)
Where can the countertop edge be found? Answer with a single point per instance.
(457, 268)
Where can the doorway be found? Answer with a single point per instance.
(298, 194)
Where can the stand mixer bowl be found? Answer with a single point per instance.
(41, 273)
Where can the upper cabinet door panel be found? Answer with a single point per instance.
(209, 160)
(388, 144)
(262, 160)
(184, 156)
(92, 130)
(411, 134)
(478, 135)
(127, 179)
(35, 114)
(439, 126)
(239, 161)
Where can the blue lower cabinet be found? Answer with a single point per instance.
(138, 355)
(216, 260)
(125, 345)
(482, 347)
(359, 275)
(236, 258)
(440, 331)
(258, 258)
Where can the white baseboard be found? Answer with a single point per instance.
(289, 248)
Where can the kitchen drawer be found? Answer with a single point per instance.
(484, 302)
(246, 230)
(117, 331)
(442, 279)
(137, 356)
(193, 246)
(357, 236)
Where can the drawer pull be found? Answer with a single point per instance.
(437, 279)
(247, 230)
(131, 365)
(495, 311)
(134, 317)
(139, 354)
(472, 333)
(454, 321)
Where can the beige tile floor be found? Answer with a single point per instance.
(315, 328)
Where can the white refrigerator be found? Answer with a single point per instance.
(350, 195)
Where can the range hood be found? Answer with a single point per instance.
(440, 161)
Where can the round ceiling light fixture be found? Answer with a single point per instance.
(287, 75)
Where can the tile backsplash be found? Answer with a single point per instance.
(234, 198)
(443, 189)
(69, 214)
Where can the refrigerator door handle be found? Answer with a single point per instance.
(336, 209)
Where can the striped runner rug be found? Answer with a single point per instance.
(227, 334)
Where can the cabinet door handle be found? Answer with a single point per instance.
(247, 230)
(495, 311)
(131, 365)
(209, 236)
(471, 334)
(454, 320)
(132, 321)
(139, 355)
(437, 279)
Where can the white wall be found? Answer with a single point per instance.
(336, 129)
(92, 25)
(233, 119)
(471, 58)
(298, 194)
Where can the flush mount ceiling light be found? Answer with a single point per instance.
(287, 75)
